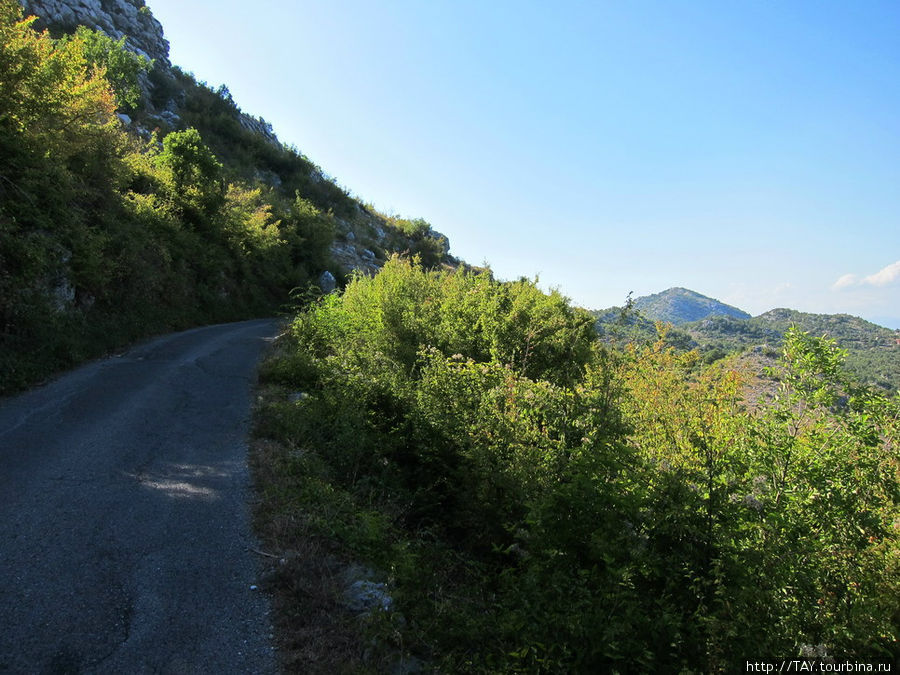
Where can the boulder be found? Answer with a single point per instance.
(364, 596)
(327, 282)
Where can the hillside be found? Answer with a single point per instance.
(873, 351)
(136, 200)
(533, 504)
(451, 473)
(680, 305)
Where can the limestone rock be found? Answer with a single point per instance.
(116, 18)
(327, 282)
(62, 293)
(260, 126)
(365, 596)
(347, 256)
(441, 239)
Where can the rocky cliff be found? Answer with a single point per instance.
(116, 18)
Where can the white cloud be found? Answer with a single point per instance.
(882, 277)
(845, 282)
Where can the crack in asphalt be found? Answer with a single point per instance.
(124, 528)
(127, 614)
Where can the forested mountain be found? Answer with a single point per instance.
(873, 351)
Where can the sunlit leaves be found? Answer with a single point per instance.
(120, 66)
(622, 507)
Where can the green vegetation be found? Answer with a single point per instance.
(538, 502)
(680, 305)
(193, 213)
(107, 235)
(120, 66)
(873, 352)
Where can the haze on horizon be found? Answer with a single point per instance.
(749, 153)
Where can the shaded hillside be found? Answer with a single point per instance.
(680, 305)
(136, 200)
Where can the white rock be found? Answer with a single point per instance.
(327, 282)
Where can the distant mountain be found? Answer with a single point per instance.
(873, 351)
(680, 305)
(850, 331)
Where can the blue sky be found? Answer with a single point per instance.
(749, 151)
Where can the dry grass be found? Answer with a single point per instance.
(314, 632)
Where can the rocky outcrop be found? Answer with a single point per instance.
(351, 257)
(116, 18)
(259, 126)
(443, 241)
(327, 282)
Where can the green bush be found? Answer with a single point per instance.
(105, 238)
(120, 66)
(557, 506)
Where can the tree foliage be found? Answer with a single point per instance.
(121, 67)
(547, 504)
(105, 237)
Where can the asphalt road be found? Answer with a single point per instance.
(124, 526)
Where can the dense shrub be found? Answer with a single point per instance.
(550, 505)
(105, 237)
(121, 67)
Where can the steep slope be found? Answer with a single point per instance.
(116, 18)
(680, 305)
(135, 200)
(173, 100)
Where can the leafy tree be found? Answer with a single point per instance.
(192, 163)
(121, 67)
(47, 95)
(311, 232)
(197, 181)
(768, 531)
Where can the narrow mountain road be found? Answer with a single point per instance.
(125, 541)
